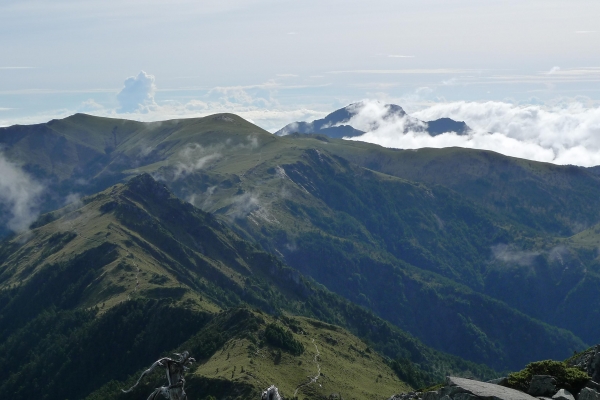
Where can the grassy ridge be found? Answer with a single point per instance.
(110, 280)
(343, 213)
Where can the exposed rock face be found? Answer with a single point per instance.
(411, 396)
(499, 381)
(481, 389)
(593, 385)
(542, 385)
(563, 394)
(588, 394)
(589, 361)
(271, 393)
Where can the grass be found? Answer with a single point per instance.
(346, 368)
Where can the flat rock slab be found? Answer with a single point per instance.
(488, 390)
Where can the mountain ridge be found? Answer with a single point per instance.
(136, 260)
(332, 208)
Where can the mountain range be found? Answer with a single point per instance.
(339, 124)
(435, 260)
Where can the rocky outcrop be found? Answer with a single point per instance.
(588, 361)
(272, 393)
(563, 394)
(588, 394)
(542, 385)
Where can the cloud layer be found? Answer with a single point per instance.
(562, 135)
(19, 196)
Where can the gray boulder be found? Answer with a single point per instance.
(563, 394)
(464, 396)
(489, 391)
(542, 385)
(588, 394)
(272, 393)
(593, 385)
(589, 361)
(499, 381)
(433, 395)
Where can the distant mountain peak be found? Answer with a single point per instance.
(339, 124)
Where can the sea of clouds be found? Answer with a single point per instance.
(565, 134)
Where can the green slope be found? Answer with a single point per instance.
(470, 234)
(106, 282)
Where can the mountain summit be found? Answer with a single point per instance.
(343, 122)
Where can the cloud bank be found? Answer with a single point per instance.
(19, 196)
(567, 134)
(137, 94)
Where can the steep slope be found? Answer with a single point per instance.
(362, 234)
(96, 291)
(84, 154)
(554, 199)
(434, 243)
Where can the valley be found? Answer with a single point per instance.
(425, 257)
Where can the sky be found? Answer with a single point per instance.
(279, 61)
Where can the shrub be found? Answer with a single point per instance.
(278, 337)
(568, 378)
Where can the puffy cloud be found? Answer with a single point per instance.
(137, 94)
(566, 134)
(19, 196)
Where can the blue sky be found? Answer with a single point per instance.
(277, 61)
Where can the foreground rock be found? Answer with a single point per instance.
(588, 394)
(464, 389)
(588, 361)
(272, 393)
(542, 385)
(563, 394)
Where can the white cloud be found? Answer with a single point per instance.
(195, 157)
(553, 70)
(19, 195)
(424, 71)
(563, 134)
(90, 105)
(137, 94)
(510, 255)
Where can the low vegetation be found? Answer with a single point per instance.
(569, 378)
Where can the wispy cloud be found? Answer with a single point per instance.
(399, 56)
(553, 70)
(19, 196)
(405, 71)
(1, 68)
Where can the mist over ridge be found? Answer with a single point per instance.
(560, 135)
